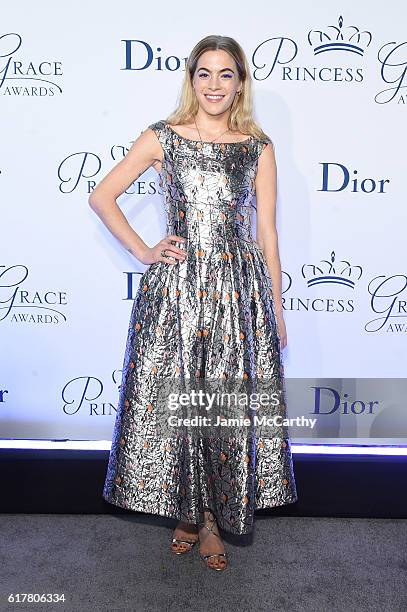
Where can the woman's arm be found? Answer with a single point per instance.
(266, 231)
(144, 152)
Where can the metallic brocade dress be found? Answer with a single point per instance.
(212, 316)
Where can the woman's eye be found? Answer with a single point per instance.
(204, 74)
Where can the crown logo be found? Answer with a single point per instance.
(341, 273)
(336, 38)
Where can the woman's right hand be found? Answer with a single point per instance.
(174, 253)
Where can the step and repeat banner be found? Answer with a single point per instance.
(79, 83)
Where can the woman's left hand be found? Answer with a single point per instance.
(282, 332)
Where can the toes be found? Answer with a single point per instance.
(219, 562)
(179, 547)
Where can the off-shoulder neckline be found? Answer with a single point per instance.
(207, 141)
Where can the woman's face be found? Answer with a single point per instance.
(216, 81)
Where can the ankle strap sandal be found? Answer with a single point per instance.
(177, 542)
(223, 556)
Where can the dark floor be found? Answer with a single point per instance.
(123, 562)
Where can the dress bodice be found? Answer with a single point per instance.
(208, 187)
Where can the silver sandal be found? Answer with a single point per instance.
(187, 542)
(205, 558)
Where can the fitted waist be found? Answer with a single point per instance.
(212, 235)
(220, 246)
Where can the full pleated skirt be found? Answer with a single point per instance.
(210, 317)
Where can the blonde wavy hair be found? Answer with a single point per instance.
(241, 112)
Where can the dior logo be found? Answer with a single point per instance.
(337, 177)
(139, 55)
(328, 400)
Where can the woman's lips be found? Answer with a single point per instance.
(215, 99)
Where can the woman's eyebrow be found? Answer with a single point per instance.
(222, 70)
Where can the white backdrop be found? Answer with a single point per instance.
(78, 85)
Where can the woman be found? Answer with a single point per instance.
(208, 307)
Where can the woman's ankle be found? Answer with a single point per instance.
(188, 527)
